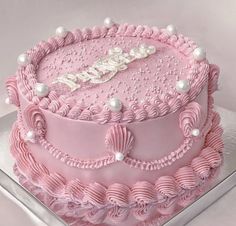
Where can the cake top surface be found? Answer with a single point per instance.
(145, 78)
(121, 73)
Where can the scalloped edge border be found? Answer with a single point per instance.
(27, 78)
(187, 179)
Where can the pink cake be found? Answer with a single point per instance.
(115, 124)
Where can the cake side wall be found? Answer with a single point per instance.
(153, 140)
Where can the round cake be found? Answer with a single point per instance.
(115, 124)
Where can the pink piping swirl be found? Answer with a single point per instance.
(119, 139)
(35, 120)
(186, 178)
(213, 78)
(118, 194)
(12, 91)
(175, 101)
(190, 118)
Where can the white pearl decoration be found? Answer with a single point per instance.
(108, 22)
(23, 59)
(115, 104)
(7, 100)
(171, 29)
(61, 32)
(182, 86)
(31, 136)
(119, 156)
(195, 132)
(41, 90)
(199, 54)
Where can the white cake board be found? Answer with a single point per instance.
(222, 184)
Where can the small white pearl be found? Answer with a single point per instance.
(41, 90)
(171, 29)
(119, 156)
(31, 136)
(199, 54)
(108, 22)
(182, 86)
(7, 100)
(195, 132)
(115, 104)
(61, 32)
(23, 59)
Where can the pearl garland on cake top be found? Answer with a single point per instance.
(23, 59)
(171, 29)
(199, 54)
(182, 86)
(61, 32)
(115, 104)
(108, 22)
(41, 90)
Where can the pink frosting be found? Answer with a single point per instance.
(112, 202)
(35, 120)
(119, 139)
(69, 186)
(190, 118)
(178, 45)
(213, 78)
(11, 86)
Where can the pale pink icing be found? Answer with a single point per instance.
(119, 139)
(153, 131)
(190, 118)
(143, 193)
(213, 77)
(62, 121)
(176, 44)
(35, 120)
(11, 86)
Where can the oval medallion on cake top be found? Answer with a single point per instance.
(115, 123)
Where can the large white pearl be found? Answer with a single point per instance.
(115, 104)
(41, 90)
(182, 86)
(171, 29)
(23, 59)
(108, 22)
(31, 136)
(61, 32)
(195, 132)
(199, 54)
(7, 100)
(119, 156)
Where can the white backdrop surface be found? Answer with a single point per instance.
(210, 23)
